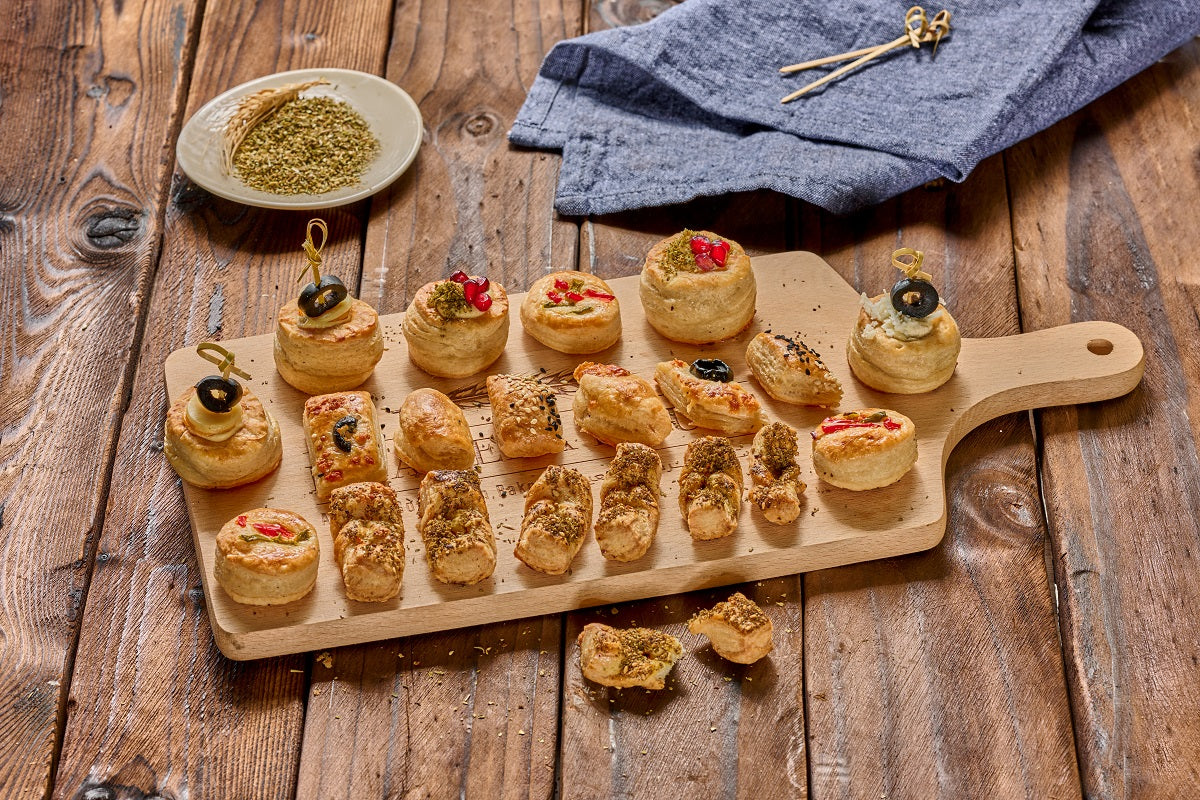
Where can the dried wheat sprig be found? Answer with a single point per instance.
(253, 109)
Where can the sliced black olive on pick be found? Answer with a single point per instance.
(914, 297)
(343, 429)
(217, 394)
(317, 298)
(711, 369)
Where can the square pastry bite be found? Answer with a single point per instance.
(524, 416)
(344, 442)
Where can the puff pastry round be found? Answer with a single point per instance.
(688, 305)
(253, 452)
(791, 371)
(332, 359)
(865, 449)
(267, 557)
(616, 406)
(896, 353)
(452, 339)
(433, 433)
(572, 312)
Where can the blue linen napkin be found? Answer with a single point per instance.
(688, 104)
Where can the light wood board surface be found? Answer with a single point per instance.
(797, 293)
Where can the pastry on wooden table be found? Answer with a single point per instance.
(267, 557)
(629, 493)
(558, 513)
(459, 543)
(627, 658)
(217, 434)
(864, 449)
(615, 405)
(525, 417)
(706, 393)
(433, 433)
(572, 312)
(458, 326)
(738, 629)
(775, 473)
(792, 371)
(368, 540)
(326, 341)
(344, 442)
(904, 342)
(698, 287)
(710, 488)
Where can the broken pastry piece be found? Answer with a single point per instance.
(459, 543)
(629, 494)
(627, 658)
(558, 513)
(524, 416)
(792, 371)
(368, 540)
(710, 488)
(616, 406)
(775, 473)
(738, 629)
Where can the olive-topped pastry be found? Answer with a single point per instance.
(217, 434)
(706, 393)
(457, 326)
(326, 340)
(905, 341)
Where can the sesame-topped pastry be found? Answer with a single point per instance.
(344, 442)
(627, 658)
(217, 434)
(864, 449)
(433, 433)
(615, 405)
(267, 557)
(710, 488)
(368, 540)
(698, 287)
(792, 371)
(628, 518)
(706, 393)
(775, 473)
(525, 417)
(558, 513)
(326, 341)
(454, 524)
(458, 326)
(738, 629)
(905, 342)
(572, 312)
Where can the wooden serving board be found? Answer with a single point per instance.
(797, 293)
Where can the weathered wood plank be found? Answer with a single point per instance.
(1104, 211)
(154, 708)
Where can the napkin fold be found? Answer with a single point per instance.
(688, 104)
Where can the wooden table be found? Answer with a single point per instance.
(1049, 647)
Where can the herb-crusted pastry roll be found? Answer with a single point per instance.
(558, 513)
(616, 406)
(627, 658)
(433, 433)
(738, 629)
(572, 312)
(368, 540)
(792, 371)
(775, 473)
(525, 417)
(344, 442)
(628, 518)
(459, 543)
(457, 327)
(710, 488)
(706, 394)
(864, 449)
(267, 557)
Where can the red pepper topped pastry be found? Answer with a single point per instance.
(344, 443)
(706, 393)
(572, 312)
(458, 326)
(864, 449)
(266, 557)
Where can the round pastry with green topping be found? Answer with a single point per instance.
(267, 557)
(458, 326)
(572, 312)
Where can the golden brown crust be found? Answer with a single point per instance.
(616, 406)
(893, 365)
(433, 433)
(266, 556)
(558, 513)
(791, 371)
(738, 629)
(628, 518)
(725, 407)
(367, 501)
(371, 555)
(627, 658)
(589, 325)
(455, 347)
(459, 543)
(333, 359)
(775, 473)
(867, 456)
(250, 454)
(353, 413)
(710, 488)
(525, 418)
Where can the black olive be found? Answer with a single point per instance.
(914, 297)
(342, 440)
(317, 298)
(218, 394)
(712, 369)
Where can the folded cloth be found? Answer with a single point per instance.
(688, 104)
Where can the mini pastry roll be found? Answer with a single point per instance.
(628, 516)
(792, 371)
(722, 405)
(775, 473)
(864, 449)
(524, 416)
(616, 406)
(459, 543)
(710, 488)
(433, 433)
(368, 540)
(558, 513)
(627, 658)
(267, 557)
(738, 629)
(572, 312)
(344, 442)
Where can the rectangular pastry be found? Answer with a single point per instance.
(454, 525)
(524, 416)
(558, 513)
(368, 540)
(344, 442)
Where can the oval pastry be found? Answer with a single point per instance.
(864, 449)
(616, 406)
(572, 312)
(433, 433)
(452, 336)
(792, 371)
(267, 557)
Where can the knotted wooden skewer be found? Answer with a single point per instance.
(312, 251)
(918, 30)
(222, 358)
(911, 267)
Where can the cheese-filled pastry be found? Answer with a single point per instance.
(459, 543)
(738, 629)
(710, 488)
(572, 312)
(525, 417)
(368, 540)
(326, 341)
(628, 517)
(698, 287)
(707, 394)
(905, 342)
(344, 442)
(627, 658)
(433, 433)
(616, 406)
(775, 473)
(864, 449)
(458, 326)
(558, 513)
(267, 557)
(792, 371)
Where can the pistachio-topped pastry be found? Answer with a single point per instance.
(627, 658)
(457, 326)
(572, 312)
(737, 627)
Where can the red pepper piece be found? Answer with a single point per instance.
(241, 520)
(561, 285)
(574, 297)
(554, 296)
(598, 295)
(832, 425)
(271, 529)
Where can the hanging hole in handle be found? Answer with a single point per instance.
(1100, 347)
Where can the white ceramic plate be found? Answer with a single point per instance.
(391, 114)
